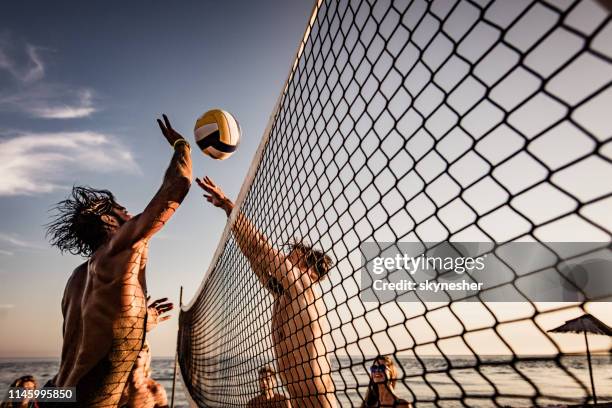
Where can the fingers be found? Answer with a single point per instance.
(206, 181)
(157, 301)
(164, 318)
(164, 308)
(206, 186)
(162, 127)
(202, 183)
(167, 121)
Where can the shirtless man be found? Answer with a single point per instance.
(298, 315)
(104, 304)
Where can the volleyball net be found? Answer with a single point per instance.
(414, 122)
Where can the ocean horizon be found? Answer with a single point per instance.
(445, 378)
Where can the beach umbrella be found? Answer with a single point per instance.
(585, 324)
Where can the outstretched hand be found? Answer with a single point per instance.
(215, 194)
(156, 312)
(171, 135)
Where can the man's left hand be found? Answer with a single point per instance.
(156, 312)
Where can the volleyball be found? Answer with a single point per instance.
(217, 134)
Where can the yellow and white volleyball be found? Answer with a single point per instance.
(217, 134)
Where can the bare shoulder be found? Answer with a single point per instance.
(78, 276)
(75, 283)
(108, 264)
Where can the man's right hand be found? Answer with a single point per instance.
(215, 194)
(171, 135)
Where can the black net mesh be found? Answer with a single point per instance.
(423, 122)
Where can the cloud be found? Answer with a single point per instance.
(28, 68)
(13, 241)
(7, 306)
(9, 243)
(51, 102)
(27, 92)
(37, 163)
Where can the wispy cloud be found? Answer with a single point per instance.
(24, 67)
(51, 102)
(36, 163)
(14, 241)
(83, 107)
(10, 243)
(29, 69)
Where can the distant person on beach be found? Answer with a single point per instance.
(141, 390)
(383, 377)
(104, 304)
(267, 385)
(298, 316)
(29, 383)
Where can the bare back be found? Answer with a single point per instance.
(298, 325)
(104, 324)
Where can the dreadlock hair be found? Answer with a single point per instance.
(78, 227)
(313, 258)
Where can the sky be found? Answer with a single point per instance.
(80, 88)
(81, 85)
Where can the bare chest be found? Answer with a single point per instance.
(291, 317)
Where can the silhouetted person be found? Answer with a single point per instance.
(298, 316)
(104, 304)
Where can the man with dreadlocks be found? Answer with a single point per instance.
(104, 304)
(298, 315)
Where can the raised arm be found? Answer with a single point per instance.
(160, 209)
(268, 263)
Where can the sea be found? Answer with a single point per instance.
(434, 381)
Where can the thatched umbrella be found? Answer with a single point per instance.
(585, 324)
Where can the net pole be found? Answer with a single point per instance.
(586, 340)
(176, 352)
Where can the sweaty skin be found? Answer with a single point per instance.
(104, 304)
(298, 314)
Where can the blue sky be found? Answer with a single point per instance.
(81, 85)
